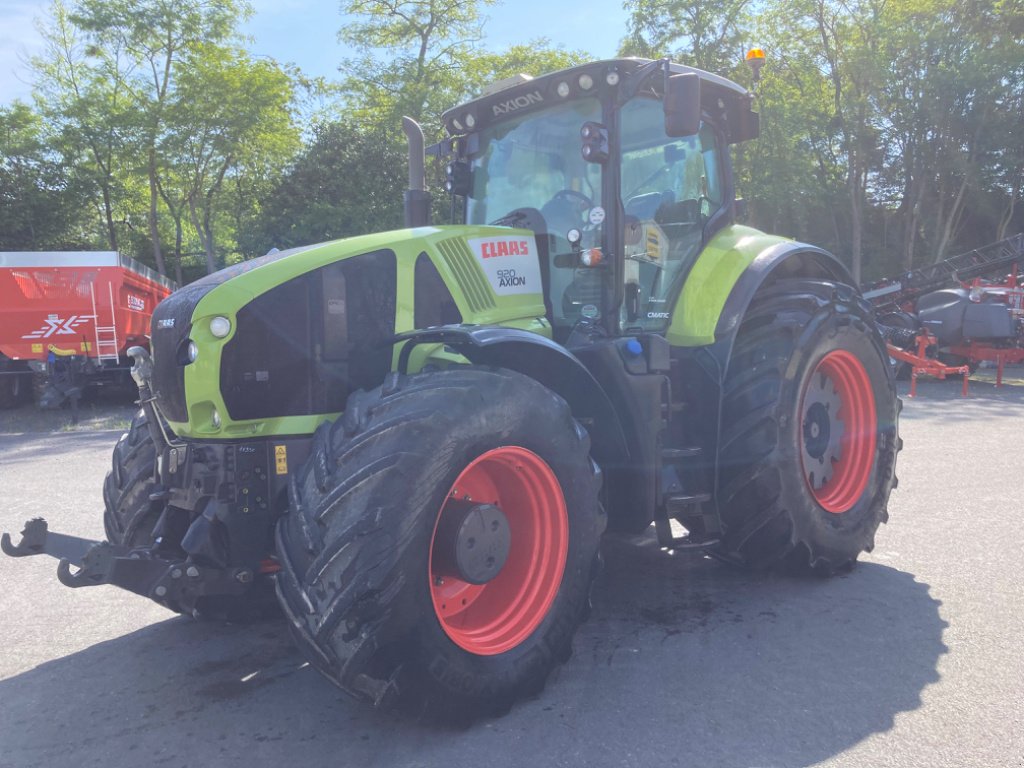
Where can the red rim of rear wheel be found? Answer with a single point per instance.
(495, 617)
(838, 431)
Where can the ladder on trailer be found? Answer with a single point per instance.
(107, 347)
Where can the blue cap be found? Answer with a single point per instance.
(634, 347)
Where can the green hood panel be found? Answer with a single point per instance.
(710, 282)
(492, 273)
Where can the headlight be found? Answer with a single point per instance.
(215, 419)
(220, 327)
(193, 351)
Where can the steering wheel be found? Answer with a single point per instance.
(565, 209)
(571, 194)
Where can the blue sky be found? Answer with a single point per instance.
(305, 32)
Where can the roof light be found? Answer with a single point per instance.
(456, 124)
(562, 89)
(612, 78)
(755, 58)
(470, 120)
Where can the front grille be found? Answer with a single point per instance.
(171, 324)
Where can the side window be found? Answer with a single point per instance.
(670, 188)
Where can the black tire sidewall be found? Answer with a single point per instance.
(355, 547)
(436, 655)
(838, 536)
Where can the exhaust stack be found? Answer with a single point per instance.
(416, 198)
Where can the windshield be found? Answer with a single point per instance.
(535, 162)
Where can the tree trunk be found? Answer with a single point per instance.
(193, 212)
(108, 214)
(177, 249)
(1007, 216)
(154, 230)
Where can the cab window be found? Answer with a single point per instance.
(670, 188)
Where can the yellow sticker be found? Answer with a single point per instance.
(281, 459)
(37, 347)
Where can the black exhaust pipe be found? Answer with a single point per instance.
(417, 199)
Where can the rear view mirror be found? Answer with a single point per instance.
(682, 105)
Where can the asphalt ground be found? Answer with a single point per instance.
(912, 659)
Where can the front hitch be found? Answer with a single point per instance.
(175, 584)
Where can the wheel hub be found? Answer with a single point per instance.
(822, 430)
(474, 540)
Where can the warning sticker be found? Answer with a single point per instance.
(281, 459)
(510, 263)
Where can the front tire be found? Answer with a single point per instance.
(379, 575)
(809, 430)
(130, 517)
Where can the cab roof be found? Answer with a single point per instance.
(522, 94)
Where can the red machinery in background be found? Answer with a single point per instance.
(72, 314)
(949, 328)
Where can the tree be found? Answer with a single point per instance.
(81, 92)
(347, 182)
(157, 37)
(40, 199)
(703, 33)
(230, 112)
(409, 55)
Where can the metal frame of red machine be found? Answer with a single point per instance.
(88, 304)
(973, 272)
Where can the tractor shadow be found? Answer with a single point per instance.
(682, 658)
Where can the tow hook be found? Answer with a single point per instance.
(88, 563)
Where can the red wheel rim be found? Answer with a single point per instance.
(491, 618)
(838, 431)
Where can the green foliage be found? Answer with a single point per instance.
(38, 195)
(891, 129)
(348, 181)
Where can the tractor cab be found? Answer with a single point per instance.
(620, 168)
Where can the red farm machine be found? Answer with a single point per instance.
(947, 318)
(71, 315)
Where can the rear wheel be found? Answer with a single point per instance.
(441, 543)
(809, 436)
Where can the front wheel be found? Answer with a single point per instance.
(809, 430)
(441, 542)
(130, 520)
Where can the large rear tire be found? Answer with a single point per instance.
(809, 430)
(377, 552)
(130, 517)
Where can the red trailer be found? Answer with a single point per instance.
(72, 314)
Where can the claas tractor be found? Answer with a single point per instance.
(413, 442)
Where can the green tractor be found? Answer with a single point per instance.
(417, 438)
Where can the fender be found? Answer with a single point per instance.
(544, 361)
(782, 260)
(727, 274)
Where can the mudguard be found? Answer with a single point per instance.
(541, 359)
(727, 274)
